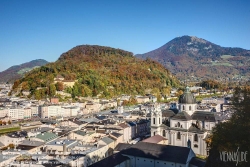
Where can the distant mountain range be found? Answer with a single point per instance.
(16, 72)
(191, 57)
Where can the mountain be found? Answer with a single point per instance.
(98, 70)
(189, 56)
(18, 71)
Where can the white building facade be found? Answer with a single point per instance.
(187, 128)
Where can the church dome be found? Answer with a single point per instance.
(187, 97)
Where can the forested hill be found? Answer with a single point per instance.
(98, 70)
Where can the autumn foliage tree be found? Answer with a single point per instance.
(99, 71)
(234, 134)
(59, 86)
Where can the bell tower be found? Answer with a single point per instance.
(156, 119)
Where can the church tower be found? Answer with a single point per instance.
(156, 119)
(120, 108)
(187, 102)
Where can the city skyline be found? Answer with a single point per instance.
(46, 29)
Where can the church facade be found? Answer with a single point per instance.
(187, 127)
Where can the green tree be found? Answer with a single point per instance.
(52, 90)
(234, 134)
(37, 94)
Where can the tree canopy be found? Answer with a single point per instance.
(97, 71)
(234, 135)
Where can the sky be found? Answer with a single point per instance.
(44, 29)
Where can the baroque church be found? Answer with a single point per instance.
(183, 124)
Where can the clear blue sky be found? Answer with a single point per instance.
(44, 29)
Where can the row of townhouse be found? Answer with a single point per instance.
(57, 110)
(15, 113)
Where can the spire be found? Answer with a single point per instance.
(187, 89)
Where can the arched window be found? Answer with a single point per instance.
(154, 120)
(183, 107)
(195, 137)
(178, 124)
(164, 133)
(189, 107)
(178, 135)
(159, 120)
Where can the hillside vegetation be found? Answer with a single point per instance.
(98, 70)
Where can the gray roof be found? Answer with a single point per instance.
(111, 161)
(80, 132)
(187, 97)
(107, 140)
(31, 143)
(122, 146)
(4, 157)
(116, 134)
(159, 152)
(182, 116)
(61, 142)
(89, 120)
(204, 116)
(167, 113)
(195, 129)
(197, 162)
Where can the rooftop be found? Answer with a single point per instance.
(154, 139)
(107, 140)
(111, 161)
(157, 151)
(46, 136)
(182, 116)
(31, 143)
(61, 142)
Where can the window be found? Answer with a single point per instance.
(154, 120)
(196, 137)
(164, 133)
(178, 124)
(183, 108)
(196, 146)
(159, 120)
(154, 133)
(189, 107)
(179, 135)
